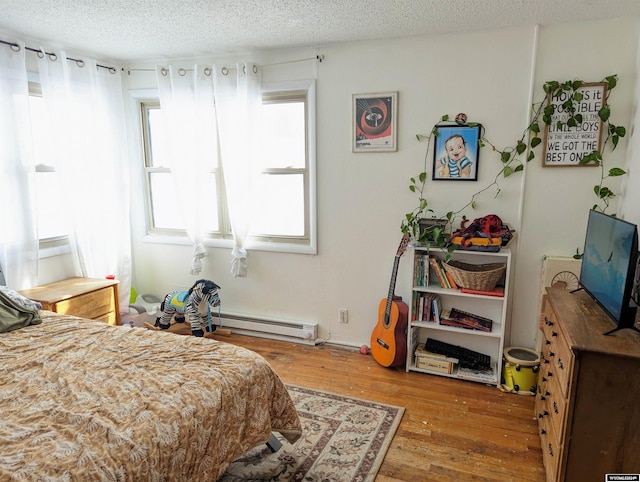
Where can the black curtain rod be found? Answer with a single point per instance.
(52, 56)
(225, 70)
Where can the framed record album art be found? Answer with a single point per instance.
(374, 122)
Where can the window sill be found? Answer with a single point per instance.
(228, 244)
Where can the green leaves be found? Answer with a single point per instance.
(615, 133)
(616, 171)
(604, 192)
(593, 158)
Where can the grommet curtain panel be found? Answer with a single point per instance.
(214, 116)
(18, 237)
(85, 118)
(238, 100)
(187, 101)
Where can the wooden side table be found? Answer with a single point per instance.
(96, 299)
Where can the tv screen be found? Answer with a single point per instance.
(609, 265)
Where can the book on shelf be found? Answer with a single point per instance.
(426, 307)
(437, 365)
(423, 352)
(456, 324)
(497, 291)
(416, 306)
(439, 272)
(452, 283)
(479, 374)
(436, 309)
(421, 269)
(471, 320)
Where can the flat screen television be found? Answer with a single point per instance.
(608, 267)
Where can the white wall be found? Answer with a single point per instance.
(362, 198)
(557, 200)
(630, 204)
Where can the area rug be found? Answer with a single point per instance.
(343, 439)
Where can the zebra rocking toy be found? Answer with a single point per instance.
(190, 303)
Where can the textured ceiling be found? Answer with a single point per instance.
(163, 29)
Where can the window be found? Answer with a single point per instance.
(284, 210)
(52, 222)
(162, 202)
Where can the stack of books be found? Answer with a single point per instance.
(444, 279)
(464, 319)
(426, 307)
(434, 362)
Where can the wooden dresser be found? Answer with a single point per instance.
(91, 298)
(588, 400)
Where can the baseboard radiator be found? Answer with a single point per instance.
(288, 330)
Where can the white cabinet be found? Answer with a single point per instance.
(490, 343)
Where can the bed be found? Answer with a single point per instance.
(82, 400)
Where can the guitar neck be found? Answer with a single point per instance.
(392, 287)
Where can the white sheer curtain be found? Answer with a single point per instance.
(238, 99)
(85, 109)
(187, 103)
(18, 236)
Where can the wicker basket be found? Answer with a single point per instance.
(475, 276)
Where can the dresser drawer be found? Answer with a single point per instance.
(89, 305)
(551, 449)
(108, 318)
(557, 353)
(556, 407)
(84, 297)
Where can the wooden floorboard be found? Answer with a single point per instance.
(452, 430)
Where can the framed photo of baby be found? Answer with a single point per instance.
(456, 153)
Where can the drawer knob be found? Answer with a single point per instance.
(555, 407)
(552, 353)
(543, 432)
(553, 333)
(550, 450)
(549, 374)
(547, 321)
(547, 342)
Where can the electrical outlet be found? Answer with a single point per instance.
(344, 315)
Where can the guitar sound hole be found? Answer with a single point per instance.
(382, 344)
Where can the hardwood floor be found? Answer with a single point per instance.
(452, 430)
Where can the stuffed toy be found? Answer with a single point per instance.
(181, 303)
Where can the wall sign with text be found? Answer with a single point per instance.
(566, 146)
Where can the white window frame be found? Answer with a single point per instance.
(303, 245)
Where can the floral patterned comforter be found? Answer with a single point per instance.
(82, 400)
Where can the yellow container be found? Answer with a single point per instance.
(520, 368)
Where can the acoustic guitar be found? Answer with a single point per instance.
(389, 337)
